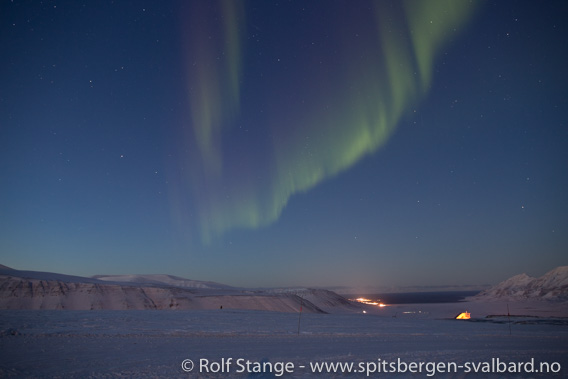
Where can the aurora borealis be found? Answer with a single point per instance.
(353, 110)
(260, 143)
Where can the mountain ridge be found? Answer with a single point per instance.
(161, 279)
(20, 289)
(552, 286)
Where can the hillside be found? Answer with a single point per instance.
(161, 280)
(552, 286)
(44, 290)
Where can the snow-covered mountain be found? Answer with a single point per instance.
(44, 290)
(552, 286)
(161, 280)
(327, 301)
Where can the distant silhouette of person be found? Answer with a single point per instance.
(221, 307)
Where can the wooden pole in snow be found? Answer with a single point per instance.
(300, 315)
(509, 318)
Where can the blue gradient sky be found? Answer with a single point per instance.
(100, 172)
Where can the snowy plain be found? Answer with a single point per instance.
(146, 326)
(153, 343)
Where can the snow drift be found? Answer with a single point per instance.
(552, 286)
(44, 290)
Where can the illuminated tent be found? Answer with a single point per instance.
(463, 316)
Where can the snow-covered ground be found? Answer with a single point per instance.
(154, 343)
(146, 326)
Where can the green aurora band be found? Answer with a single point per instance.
(360, 107)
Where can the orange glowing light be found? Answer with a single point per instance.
(364, 300)
(464, 316)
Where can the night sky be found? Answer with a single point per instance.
(280, 143)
